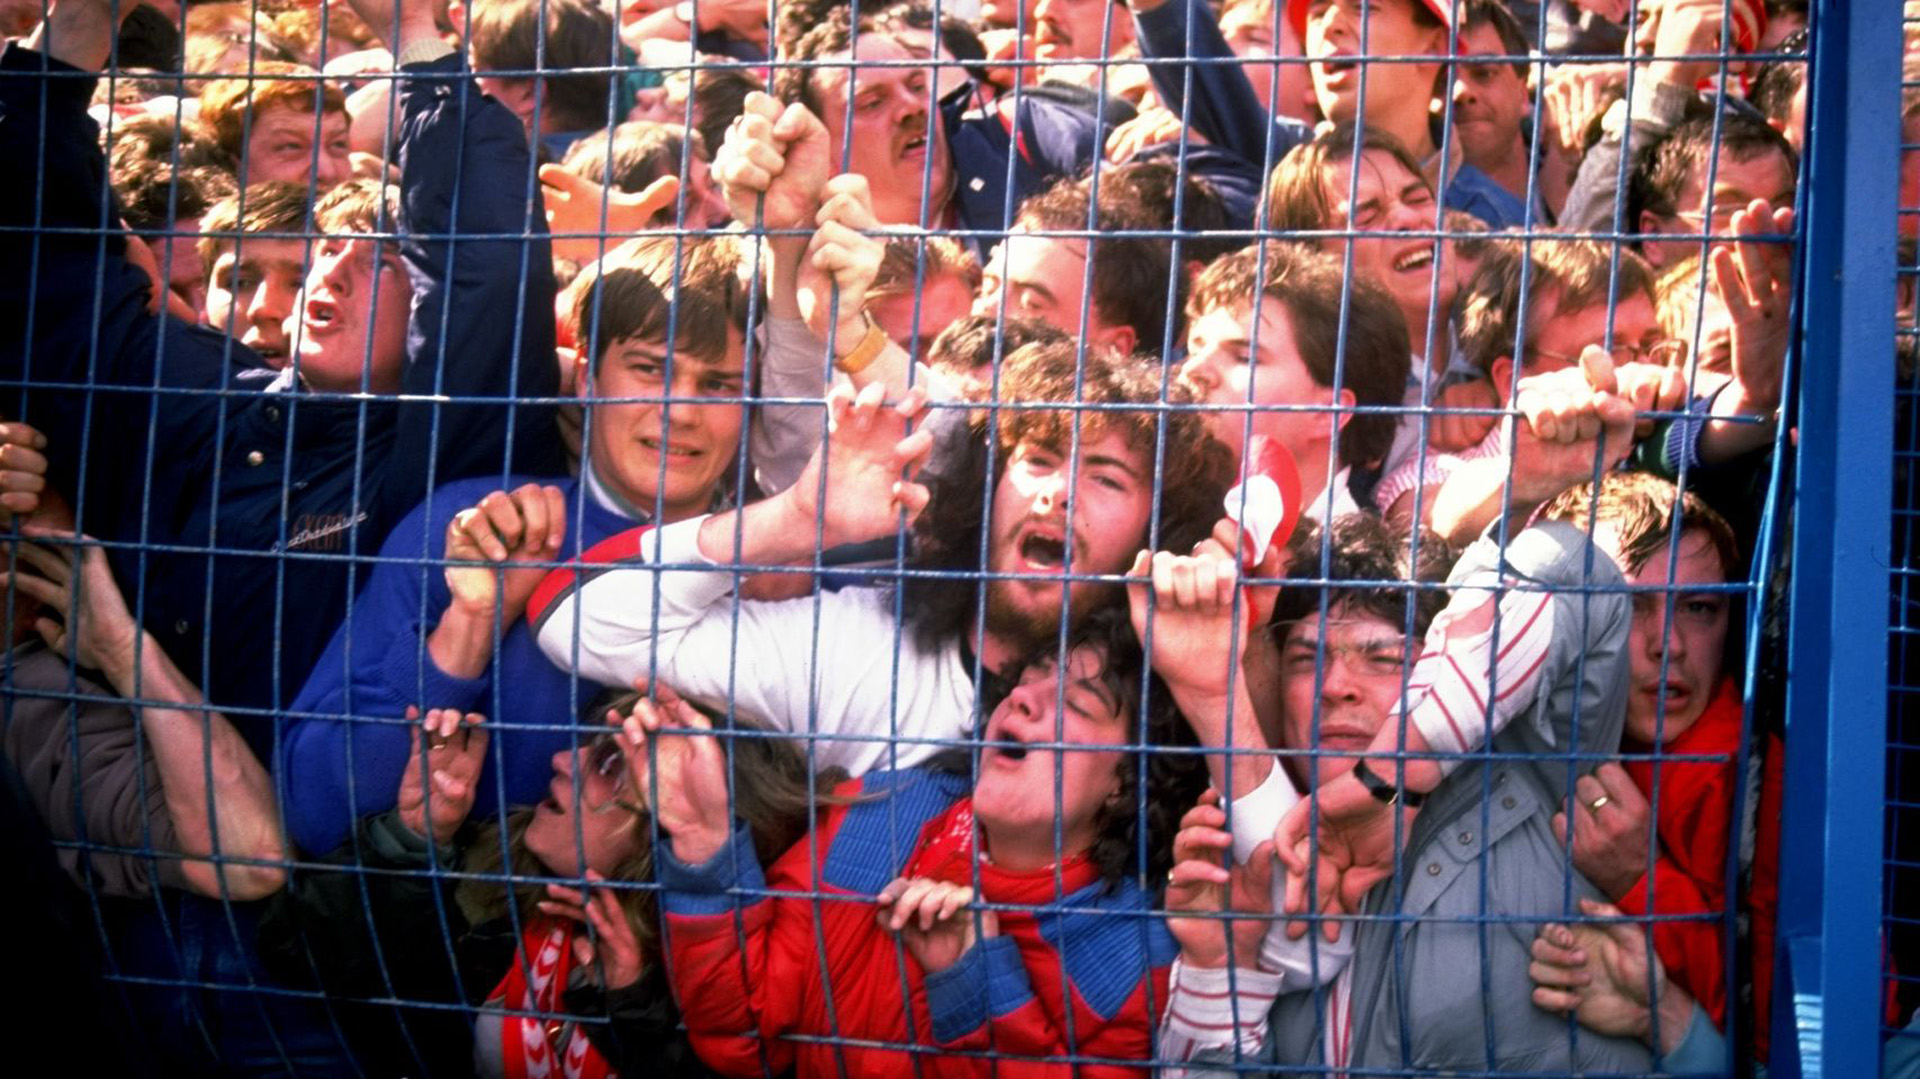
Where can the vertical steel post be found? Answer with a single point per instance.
(1830, 881)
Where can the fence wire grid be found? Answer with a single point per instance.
(1269, 537)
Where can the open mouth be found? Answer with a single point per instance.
(1007, 748)
(679, 451)
(915, 144)
(319, 315)
(1417, 258)
(1043, 551)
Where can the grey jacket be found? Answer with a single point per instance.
(1439, 974)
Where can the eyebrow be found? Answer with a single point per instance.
(1107, 460)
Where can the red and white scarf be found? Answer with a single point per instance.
(544, 1044)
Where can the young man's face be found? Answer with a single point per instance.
(1285, 88)
(1391, 199)
(1359, 677)
(1014, 797)
(253, 295)
(1045, 278)
(1112, 493)
(1736, 183)
(891, 146)
(1489, 102)
(1675, 662)
(661, 455)
(1227, 366)
(1395, 91)
(352, 332)
(282, 146)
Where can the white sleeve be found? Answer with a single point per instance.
(1215, 1011)
(1478, 671)
(834, 668)
(1309, 961)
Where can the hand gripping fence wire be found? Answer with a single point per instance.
(687, 539)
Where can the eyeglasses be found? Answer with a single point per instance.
(1666, 352)
(606, 760)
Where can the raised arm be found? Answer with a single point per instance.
(218, 796)
(1224, 109)
(473, 235)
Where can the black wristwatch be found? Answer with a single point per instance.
(1384, 792)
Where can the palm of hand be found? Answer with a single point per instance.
(485, 587)
(942, 946)
(1625, 970)
(861, 473)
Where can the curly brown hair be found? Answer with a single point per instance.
(1111, 393)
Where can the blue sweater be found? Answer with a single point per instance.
(334, 770)
(255, 501)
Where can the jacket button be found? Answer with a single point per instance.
(255, 458)
(181, 627)
(1465, 838)
(273, 413)
(1507, 802)
(1433, 869)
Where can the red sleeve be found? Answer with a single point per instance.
(1690, 949)
(739, 983)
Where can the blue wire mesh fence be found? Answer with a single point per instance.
(734, 538)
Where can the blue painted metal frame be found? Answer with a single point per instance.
(1830, 880)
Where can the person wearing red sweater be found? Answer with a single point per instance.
(1654, 832)
(945, 912)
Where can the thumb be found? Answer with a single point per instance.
(564, 183)
(798, 126)
(1597, 364)
(657, 196)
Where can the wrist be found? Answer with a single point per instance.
(462, 644)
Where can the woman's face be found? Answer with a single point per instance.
(591, 818)
(1022, 789)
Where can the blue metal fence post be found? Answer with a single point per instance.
(1836, 726)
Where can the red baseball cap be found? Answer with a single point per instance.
(1297, 14)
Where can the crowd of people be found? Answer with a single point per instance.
(556, 537)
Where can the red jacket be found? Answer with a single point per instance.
(1077, 971)
(1689, 875)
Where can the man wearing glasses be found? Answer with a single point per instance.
(1579, 294)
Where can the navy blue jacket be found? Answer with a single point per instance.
(1049, 141)
(333, 771)
(253, 497)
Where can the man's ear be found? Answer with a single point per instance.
(1501, 372)
(1651, 226)
(457, 18)
(1346, 400)
(1121, 339)
(582, 375)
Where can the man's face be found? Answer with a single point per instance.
(1675, 662)
(893, 145)
(1390, 199)
(178, 255)
(353, 317)
(1112, 494)
(253, 295)
(1359, 676)
(1014, 796)
(1555, 337)
(281, 146)
(1735, 184)
(1225, 368)
(1249, 30)
(943, 300)
(1395, 91)
(1079, 29)
(661, 455)
(1489, 102)
(1045, 278)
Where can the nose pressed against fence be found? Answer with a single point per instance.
(1368, 583)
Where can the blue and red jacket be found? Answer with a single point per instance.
(1067, 942)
